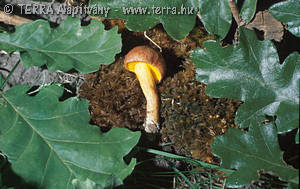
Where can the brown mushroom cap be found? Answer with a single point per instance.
(145, 54)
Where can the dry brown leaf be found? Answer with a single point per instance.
(264, 21)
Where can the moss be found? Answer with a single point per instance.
(191, 119)
(115, 97)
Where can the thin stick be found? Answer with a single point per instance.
(13, 19)
(147, 37)
(235, 13)
(70, 75)
(97, 18)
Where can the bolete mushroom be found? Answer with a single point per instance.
(149, 67)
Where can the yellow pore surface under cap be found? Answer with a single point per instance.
(156, 74)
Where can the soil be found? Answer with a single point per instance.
(189, 118)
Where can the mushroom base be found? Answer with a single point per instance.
(150, 126)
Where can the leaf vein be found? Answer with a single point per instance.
(85, 168)
(45, 169)
(87, 142)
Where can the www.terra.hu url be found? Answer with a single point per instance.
(159, 10)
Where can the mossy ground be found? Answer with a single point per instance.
(189, 118)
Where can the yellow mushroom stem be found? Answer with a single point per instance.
(146, 77)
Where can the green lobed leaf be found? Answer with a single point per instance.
(251, 72)
(216, 16)
(247, 10)
(248, 152)
(68, 46)
(50, 142)
(140, 22)
(289, 13)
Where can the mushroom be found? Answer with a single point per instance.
(149, 67)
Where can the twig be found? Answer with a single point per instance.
(147, 37)
(235, 13)
(70, 75)
(13, 19)
(97, 18)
